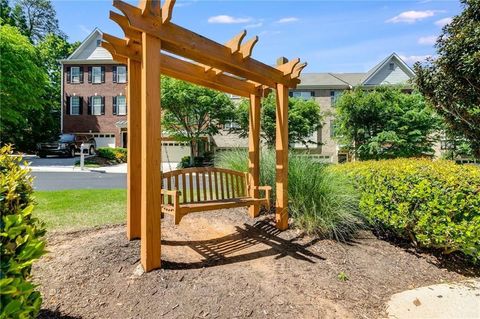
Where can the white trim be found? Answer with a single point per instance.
(402, 63)
(84, 43)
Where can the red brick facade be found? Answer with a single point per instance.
(85, 123)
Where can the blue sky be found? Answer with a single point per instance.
(332, 36)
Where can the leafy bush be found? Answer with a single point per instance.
(434, 204)
(321, 201)
(21, 240)
(117, 154)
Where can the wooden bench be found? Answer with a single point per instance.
(201, 189)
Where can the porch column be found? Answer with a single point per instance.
(281, 147)
(151, 153)
(254, 152)
(134, 172)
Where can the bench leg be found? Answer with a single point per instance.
(178, 216)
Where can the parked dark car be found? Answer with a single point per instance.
(67, 145)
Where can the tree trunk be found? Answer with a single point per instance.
(192, 152)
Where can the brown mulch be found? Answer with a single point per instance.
(224, 265)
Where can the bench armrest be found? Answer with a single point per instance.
(169, 192)
(264, 188)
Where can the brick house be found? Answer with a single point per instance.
(93, 94)
(325, 88)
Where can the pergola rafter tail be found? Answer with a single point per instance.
(191, 45)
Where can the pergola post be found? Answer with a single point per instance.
(281, 147)
(254, 152)
(134, 172)
(151, 153)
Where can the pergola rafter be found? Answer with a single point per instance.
(229, 68)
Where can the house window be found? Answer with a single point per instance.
(231, 125)
(74, 105)
(75, 74)
(99, 42)
(306, 95)
(97, 105)
(332, 128)
(97, 74)
(121, 74)
(121, 105)
(391, 66)
(334, 95)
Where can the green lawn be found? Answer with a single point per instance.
(76, 209)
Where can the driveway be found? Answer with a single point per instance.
(51, 161)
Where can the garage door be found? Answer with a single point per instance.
(173, 151)
(104, 140)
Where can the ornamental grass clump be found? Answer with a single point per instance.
(321, 201)
(435, 204)
(21, 238)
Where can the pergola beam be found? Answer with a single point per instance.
(191, 45)
(184, 70)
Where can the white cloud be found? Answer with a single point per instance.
(254, 25)
(411, 16)
(411, 59)
(443, 22)
(287, 20)
(428, 40)
(226, 19)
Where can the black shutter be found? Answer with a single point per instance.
(81, 74)
(103, 105)
(290, 94)
(103, 74)
(126, 73)
(312, 93)
(89, 74)
(80, 105)
(126, 107)
(68, 105)
(68, 74)
(114, 74)
(90, 105)
(114, 103)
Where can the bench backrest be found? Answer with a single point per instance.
(198, 184)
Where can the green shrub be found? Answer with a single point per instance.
(117, 154)
(321, 201)
(21, 240)
(436, 204)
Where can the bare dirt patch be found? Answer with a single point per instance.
(225, 265)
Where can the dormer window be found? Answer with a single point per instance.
(99, 42)
(391, 66)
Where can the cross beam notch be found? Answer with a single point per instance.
(188, 44)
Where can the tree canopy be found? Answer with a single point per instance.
(451, 82)
(22, 84)
(304, 119)
(385, 123)
(191, 112)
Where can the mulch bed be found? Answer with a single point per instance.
(225, 265)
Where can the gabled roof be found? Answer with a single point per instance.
(89, 52)
(349, 80)
(373, 71)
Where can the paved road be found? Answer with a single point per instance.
(59, 181)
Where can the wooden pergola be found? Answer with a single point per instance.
(149, 48)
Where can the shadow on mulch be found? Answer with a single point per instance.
(456, 262)
(55, 314)
(218, 251)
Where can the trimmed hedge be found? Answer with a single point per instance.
(21, 240)
(117, 154)
(436, 204)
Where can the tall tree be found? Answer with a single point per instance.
(385, 123)
(36, 19)
(452, 81)
(22, 86)
(192, 113)
(6, 13)
(304, 119)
